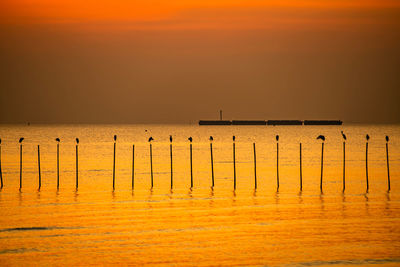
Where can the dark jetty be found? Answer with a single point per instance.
(284, 122)
(323, 122)
(270, 122)
(248, 122)
(211, 122)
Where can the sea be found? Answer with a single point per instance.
(157, 206)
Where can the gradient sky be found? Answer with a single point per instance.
(152, 61)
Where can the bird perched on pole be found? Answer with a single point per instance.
(211, 138)
(115, 138)
(151, 139)
(233, 138)
(21, 139)
(367, 137)
(387, 138)
(321, 137)
(58, 139)
(77, 140)
(190, 139)
(0, 140)
(277, 138)
(343, 135)
(170, 138)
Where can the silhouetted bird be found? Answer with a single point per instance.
(115, 138)
(387, 138)
(0, 140)
(321, 137)
(77, 140)
(233, 138)
(367, 137)
(211, 138)
(58, 139)
(151, 139)
(21, 139)
(170, 138)
(277, 138)
(190, 139)
(344, 136)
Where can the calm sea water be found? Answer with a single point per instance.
(199, 226)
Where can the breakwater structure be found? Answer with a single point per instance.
(270, 122)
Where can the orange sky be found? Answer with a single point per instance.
(139, 14)
(144, 61)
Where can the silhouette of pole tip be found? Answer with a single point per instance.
(21, 139)
(343, 135)
(151, 139)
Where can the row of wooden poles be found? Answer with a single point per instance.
(321, 137)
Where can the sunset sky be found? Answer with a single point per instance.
(151, 61)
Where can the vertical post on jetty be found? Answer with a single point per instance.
(234, 163)
(1, 173)
(40, 177)
(366, 161)
(277, 163)
(20, 163)
(170, 155)
(322, 158)
(76, 165)
(387, 161)
(301, 172)
(151, 161)
(255, 166)
(191, 163)
(212, 161)
(344, 160)
(115, 146)
(58, 163)
(133, 166)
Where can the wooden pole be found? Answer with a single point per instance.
(133, 166)
(76, 167)
(170, 155)
(20, 166)
(1, 173)
(255, 166)
(322, 165)
(151, 165)
(344, 166)
(191, 167)
(115, 147)
(212, 164)
(58, 166)
(234, 166)
(301, 171)
(40, 177)
(366, 164)
(277, 166)
(387, 163)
